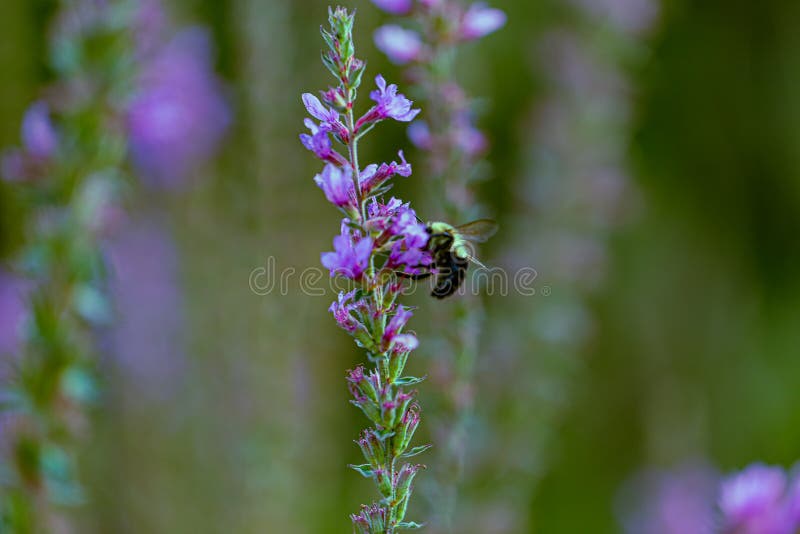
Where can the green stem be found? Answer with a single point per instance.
(352, 149)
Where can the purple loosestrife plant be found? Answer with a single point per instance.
(377, 238)
(117, 92)
(455, 149)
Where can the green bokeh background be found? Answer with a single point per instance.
(696, 351)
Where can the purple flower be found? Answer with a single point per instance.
(400, 45)
(373, 176)
(755, 500)
(350, 257)
(39, 137)
(480, 20)
(329, 118)
(337, 184)
(318, 142)
(410, 251)
(318, 111)
(389, 105)
(405, 343)
(178, 116)
(342, 311)
(395, 7)
(406, 223)
(396, 324)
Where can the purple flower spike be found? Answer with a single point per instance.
(389, 105)
(349, 259)
(400, 45)
(38, 134)
(395, 7)
(480, 20)
(337, 184)
(754, 501)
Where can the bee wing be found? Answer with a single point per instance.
(478, 231)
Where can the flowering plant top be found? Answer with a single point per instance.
(377, 237)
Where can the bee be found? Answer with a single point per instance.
(451, 252)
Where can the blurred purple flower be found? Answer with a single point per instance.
(633, 16)
(150, 25)
(400, 45)
(420, 135)
(395, 7)
(39, 144)
(39, 136)
(664, 502)
(389, 105)
(13, 311)
(177, 116)
(146, 337)
(757, 501)
(469, 139)
(337, 184)
(14, 166)
(350, 257)
(480, 20)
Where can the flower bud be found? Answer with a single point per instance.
(372, 448)
(403, 479)
(405, 431)
(384, 482)
(370, 520)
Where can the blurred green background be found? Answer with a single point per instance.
(690, 344)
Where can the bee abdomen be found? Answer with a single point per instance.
(452, 272)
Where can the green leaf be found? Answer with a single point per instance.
(330, 64)
(416, 450)
(383, 436)
(364, 469)
(409, 381)
(410, 525)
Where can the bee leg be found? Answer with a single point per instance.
(418, 276)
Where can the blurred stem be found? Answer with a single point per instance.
(453, 169)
